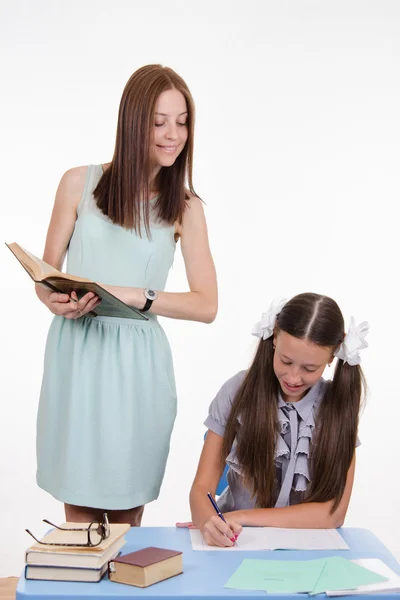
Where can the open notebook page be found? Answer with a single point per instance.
(274, 538)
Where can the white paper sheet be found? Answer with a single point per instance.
(376, 565)
(274, 538)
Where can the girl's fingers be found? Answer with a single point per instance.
(225, 528)
(187, 525)
(216, 538)
(218, 532)
(236, 528)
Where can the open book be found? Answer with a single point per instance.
(65, 283)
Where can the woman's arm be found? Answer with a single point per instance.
(209, 471)
(201, 303)
(313, 515)
(59, 233)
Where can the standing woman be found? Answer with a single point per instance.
(108, 399)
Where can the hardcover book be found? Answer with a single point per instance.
(117, 531)
(44, 274)
(145, 567)
(65, 573)
(73, 557)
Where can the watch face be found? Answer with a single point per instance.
(151, 294)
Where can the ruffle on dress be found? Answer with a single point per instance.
(301, 477)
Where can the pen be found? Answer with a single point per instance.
(219, 513)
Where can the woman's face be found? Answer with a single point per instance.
(298, 364)
(170, 130)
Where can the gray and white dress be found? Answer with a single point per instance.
(292, 452)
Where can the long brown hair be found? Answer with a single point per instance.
(317, 319)
(124, 187)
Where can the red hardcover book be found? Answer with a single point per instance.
(145, 567)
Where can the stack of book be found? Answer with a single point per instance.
(60, 563)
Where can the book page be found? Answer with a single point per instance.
(251, 538)
(304, 539)
(45, 268)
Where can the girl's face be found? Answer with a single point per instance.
(298, 364)
(170, 130)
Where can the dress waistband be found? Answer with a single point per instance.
(152, 322)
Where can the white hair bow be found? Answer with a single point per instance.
(265, 326)
(349, 349)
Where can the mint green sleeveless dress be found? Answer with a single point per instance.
(108, 399)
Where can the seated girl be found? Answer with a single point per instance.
(288, 435)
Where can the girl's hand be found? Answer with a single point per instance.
(217, 533)
(186, 525)
(69, 306)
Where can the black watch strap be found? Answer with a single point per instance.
(147, 305)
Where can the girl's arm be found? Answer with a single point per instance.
(59, 233)
(201, 303)
(313, 515)
(209, 471)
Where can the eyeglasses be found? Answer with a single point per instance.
(96, 533)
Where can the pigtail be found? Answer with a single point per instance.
(336, 436)
(256, 405)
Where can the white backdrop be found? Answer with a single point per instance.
(297, 157)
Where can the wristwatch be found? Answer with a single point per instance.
(150, 296)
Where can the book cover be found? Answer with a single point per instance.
(117, 530)
(146, 566)
(73, 558)
(43, 273)
(52, 573)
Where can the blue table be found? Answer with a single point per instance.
(205, 573)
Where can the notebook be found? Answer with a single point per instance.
(275, 538)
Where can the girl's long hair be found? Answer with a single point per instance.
(317, 319)
(124, 188)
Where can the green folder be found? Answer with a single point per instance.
(342, 574)
(301, 576)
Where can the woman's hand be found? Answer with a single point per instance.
(69, 306)
(218, 533)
